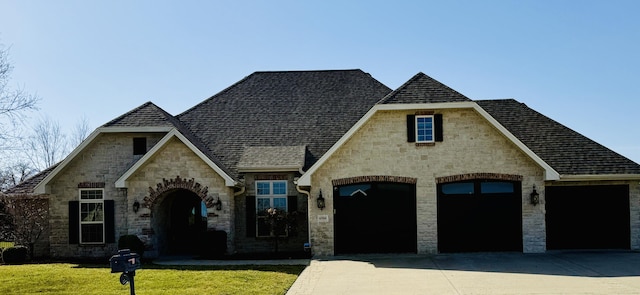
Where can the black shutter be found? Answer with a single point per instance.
(411, 128)
(292, 206)
(250, 207)
(109, 222)
(437, 122)
(74, 222)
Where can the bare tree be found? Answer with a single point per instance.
(80, 132)
(29, 218)
(47, 145)
(14, 101)
(6, 223)
(15, 174)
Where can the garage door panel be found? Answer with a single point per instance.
(375, 218)
(479, 216)
(588, 217)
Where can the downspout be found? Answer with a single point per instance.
(308, 193)
(240, 192)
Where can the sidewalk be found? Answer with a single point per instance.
(187, 260)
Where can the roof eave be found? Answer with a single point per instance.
(270, 169)
(599, 177)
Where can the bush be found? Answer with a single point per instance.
(15, 255)
(131, 242)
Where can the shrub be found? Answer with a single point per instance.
(131, 242)
(15, 255)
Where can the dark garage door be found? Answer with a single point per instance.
(375, 218)
(479, 216)
(588, 217)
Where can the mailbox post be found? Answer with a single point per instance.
(126, 263)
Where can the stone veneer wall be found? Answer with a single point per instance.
(471, 145)
(176, 159)
(246, 244)
(103, 160)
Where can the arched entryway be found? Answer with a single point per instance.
(180, 220)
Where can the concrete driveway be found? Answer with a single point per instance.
(482, 273)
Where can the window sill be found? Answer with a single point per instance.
(425, 143)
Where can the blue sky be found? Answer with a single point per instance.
(577, 62)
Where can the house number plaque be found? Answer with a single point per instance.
(323, 218)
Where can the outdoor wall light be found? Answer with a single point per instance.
(320, 201)
(136, 206)
(535, 197)
(218, 204)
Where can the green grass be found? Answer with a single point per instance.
(65, 278)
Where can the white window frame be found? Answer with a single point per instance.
(433, 133)
(100, 222)
(271, 196)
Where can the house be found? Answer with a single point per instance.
(421, 169)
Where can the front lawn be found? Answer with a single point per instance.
(64, 278)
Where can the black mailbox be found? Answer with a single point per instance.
(125, 261)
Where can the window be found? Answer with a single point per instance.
(269, 194)
(424, 129)
(139, 145)
(92, 216)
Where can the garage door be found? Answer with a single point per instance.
(588, 217)
(479, 216)
(375, 218)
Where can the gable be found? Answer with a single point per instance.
(550, 173)
(170, 139)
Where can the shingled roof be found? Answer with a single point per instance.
(146, 115)
(292, 108)
(567, 151)
(423, 89)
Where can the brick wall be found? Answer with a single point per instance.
(471, 145)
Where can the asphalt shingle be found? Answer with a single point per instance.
(291, 108)
(567, 151)
(423, 89)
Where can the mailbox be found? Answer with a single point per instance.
(125, 261)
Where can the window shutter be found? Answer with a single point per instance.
(292, 206)
(109, 222)
(250, 207)
(411, 128)
(74, 222)
(437, 122)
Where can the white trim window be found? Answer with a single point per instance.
(425, 128)
(269, 194)
(92, 230)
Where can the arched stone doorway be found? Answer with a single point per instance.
(179, 220)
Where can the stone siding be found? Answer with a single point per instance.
(173, 160)
(103, 160)
(471, 145)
